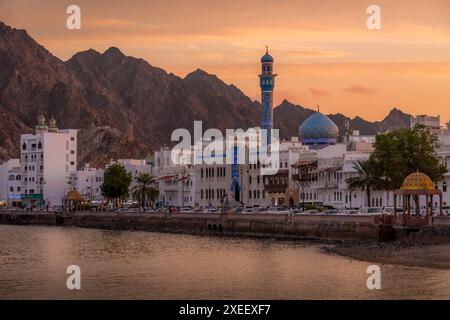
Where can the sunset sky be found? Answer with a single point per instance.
(324, 53)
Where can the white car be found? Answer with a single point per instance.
(371, 210)
(312, 212)
(296, 211)
(247, 210)
(212, 210)
(278, 210)
(186, 210)
(350, 211)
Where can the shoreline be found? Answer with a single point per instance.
(433, 256)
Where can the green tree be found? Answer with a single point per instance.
(144, 190)
(402, 152)
(116, 183)
(367, 178)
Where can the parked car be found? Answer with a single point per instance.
(237, 210)
(330, 211)
(371, 210)
(278, 210)
(350, 211)
(247, 210)
(186, 210)
(295, 211)
(312, 212)
(446, 210)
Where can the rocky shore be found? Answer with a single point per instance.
(399, 253)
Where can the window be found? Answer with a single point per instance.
(72, 163)
(444, 187)
(72, 152)
(24, 146)
(11, 189)
(72, 138)
(40, 145)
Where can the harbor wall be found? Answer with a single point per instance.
(324, 227)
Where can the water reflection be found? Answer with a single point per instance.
(142, 265)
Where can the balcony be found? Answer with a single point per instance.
(306, 177)
(275, 188)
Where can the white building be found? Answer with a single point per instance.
(443, 153)
(431, 122)
(176, 181)
(10, 181)
(87, 182)
(278, 185)
(135, 167)
(47, 159)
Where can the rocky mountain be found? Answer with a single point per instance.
(288, 117)
(109, 95)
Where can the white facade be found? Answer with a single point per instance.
(135, 167)
(431, 122)
(10, 181)
(443, 153)
(87, 182)
(328, 186)
(176, 182)
(47, 159)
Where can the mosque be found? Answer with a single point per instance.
(317, 131)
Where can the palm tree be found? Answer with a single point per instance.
(366, 180)
(144, 191)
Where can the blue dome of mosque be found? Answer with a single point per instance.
(318, 129)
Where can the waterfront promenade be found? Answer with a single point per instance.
(323, 227)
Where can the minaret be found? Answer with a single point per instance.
(52, 125)
(267, 82)
(41, 126)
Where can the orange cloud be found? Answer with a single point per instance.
(354, 88)
(319, 93)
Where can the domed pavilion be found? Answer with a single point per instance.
(415, 185)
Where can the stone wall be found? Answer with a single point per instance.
(267, 225)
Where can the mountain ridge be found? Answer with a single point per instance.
(111, 94)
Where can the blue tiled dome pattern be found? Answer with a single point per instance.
(318, 129)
